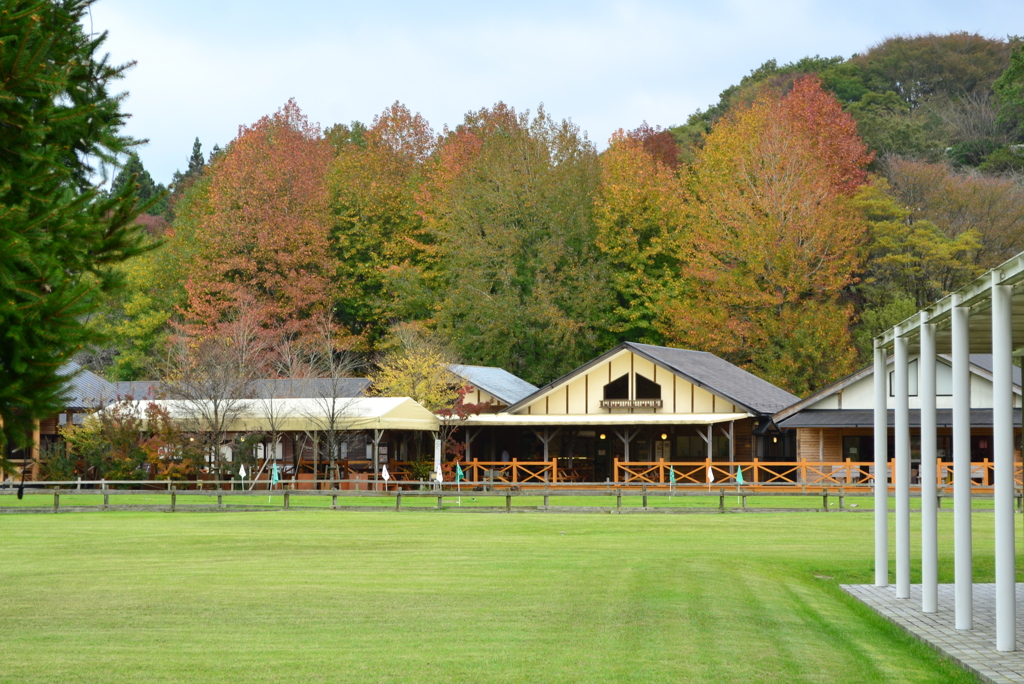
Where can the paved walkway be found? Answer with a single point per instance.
(974, 649)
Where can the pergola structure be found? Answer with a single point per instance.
(986, 316)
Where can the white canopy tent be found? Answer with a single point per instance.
(293, 415)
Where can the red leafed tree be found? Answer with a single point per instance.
(660, 144)
(262, 234)
(831, 132)
(775, 240)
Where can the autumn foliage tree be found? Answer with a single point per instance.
(508, 203)
(377, 232)
(775, 240)
(262, 225)
(640, 212)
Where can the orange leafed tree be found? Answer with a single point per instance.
(262, 232)
(775, 240)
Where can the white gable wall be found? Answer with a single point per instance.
(583, 394)
(861, 394)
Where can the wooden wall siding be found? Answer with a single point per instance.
(743, 449)
(814, 444)
(582, 395)
(48, 426)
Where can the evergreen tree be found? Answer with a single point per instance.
(60, 235)
(195, 162)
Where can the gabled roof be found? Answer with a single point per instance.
(981, 364)
(703, 369)
(85, 389)
(497, 382)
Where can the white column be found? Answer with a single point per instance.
(901, 365)
(1002, 447)
(929, 477)
(962, 544)
(881, 471)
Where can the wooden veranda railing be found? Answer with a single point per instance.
(846, 473)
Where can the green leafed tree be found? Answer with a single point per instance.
(60, 235)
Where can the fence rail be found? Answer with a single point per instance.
(393, 497)
(799, 473)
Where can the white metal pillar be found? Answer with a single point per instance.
(901, 392)
(962, 543)
(929, 476)
(881, 472)
(1002, 447)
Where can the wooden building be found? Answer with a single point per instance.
(635, 403)
(836, 423)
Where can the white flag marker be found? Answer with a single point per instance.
(241, 471)
(711, 475)
(385, 474)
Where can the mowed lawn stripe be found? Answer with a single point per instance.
(317, 596)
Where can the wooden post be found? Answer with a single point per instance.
(508, 503)
(721, 500)
(615, 469)
(35, 450)
(439, 498)
(56, 501)
(287, 502)
(398, 500)
(842, 496)
(106, 495)
(515, 471)
(744, 498)
(824, 499)
(334, 502)
(554, 472)
(644, 491)
(545, 497)
(220, 501)
(174, 499)
(618, 500)
(984, 473)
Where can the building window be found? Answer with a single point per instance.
(647, 389)
(618, 388)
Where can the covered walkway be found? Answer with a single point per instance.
(986, 316)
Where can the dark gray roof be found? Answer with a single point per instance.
(141, 389)
(702, 369)
(719, 376)
(310, 388)
(278, 388)
(865, 418)
(984, 362)
(497, 382)
(85, 389)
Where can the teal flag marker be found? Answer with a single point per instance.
(672, 475)
(459, 477)
(739, 475)
(274, 477)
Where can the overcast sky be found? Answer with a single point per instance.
(207, 66)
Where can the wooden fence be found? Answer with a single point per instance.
(720, 498)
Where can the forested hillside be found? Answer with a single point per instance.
(814, 205)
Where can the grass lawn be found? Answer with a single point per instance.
(318, 596)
